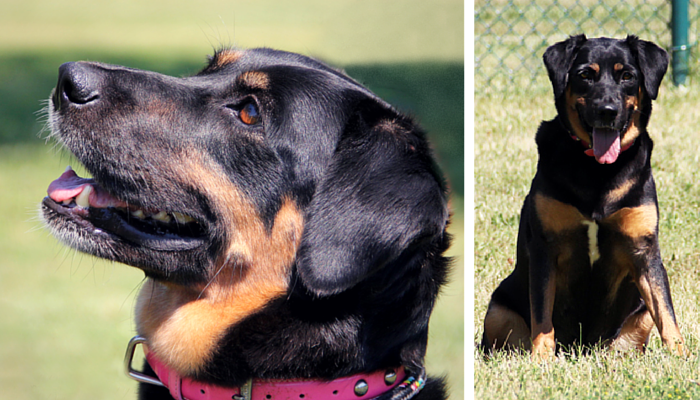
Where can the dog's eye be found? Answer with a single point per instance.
(585, 74)
(249, 114)
(627, 76)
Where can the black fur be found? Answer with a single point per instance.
(369, 264)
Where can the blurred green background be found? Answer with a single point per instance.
(65, 318)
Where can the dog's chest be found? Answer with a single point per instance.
(578, 240)
(592, 233)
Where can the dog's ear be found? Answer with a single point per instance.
(652, 61)
(381, 195)
(558, 59)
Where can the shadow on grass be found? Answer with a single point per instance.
(432, 92)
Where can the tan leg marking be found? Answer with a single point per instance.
(665, 323)
(637, 223)
(543, 342)
(504, 328)
(184, 324)
(635, 332)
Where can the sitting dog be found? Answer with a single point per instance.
(291, 225)
(588, 269)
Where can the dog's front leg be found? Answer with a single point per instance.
(652, 281)
(640, 226)
(542, 292)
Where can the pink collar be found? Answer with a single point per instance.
(359, 386)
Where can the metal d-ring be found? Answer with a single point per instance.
(132, 373)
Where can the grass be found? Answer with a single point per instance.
(66, 317)
(341, 31)
(505, 160)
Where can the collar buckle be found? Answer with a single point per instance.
(130, 371)
(246, 391)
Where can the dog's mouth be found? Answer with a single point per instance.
(606, 140)
(606, 144)
(87, 204)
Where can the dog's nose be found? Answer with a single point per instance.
(607, 113)
(77, 84)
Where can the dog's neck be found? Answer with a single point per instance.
(392, 383)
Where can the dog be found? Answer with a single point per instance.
(291, 225)
(589, 270)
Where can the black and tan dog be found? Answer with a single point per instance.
(291, 225)
(589, 269)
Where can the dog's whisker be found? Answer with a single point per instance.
(223, 265)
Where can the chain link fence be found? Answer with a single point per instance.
(512, 35)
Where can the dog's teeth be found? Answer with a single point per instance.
(82, 199)
(182, 218)
(67, 202)
(162, 216)
(138, 214)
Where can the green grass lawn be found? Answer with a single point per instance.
(65, 318)
(505, 160)
(341, 31)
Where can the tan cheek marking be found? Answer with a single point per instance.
(184, 325)
(557, 216)
(255, 80)
(634, 222)
(634, 128)
(574, 118)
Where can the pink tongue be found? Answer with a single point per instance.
(70, 185)
(606, 145)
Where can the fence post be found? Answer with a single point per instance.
(679, 36)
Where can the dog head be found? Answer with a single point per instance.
(603, 89)
(262, 164)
